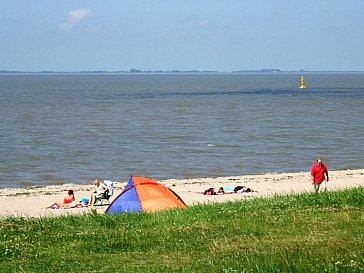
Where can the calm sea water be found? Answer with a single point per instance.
(74, 127)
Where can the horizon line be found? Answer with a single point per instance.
(176, 71)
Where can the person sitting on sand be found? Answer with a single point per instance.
(98, 192)
(68, 202)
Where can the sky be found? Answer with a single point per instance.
(229, 35)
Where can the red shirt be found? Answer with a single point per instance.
(318, 172)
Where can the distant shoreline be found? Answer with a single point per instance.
(176, 72)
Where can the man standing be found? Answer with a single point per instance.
(318, 173)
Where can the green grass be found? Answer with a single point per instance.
(297, 233)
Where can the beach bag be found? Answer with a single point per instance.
(84, 201)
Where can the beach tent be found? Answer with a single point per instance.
(143, 194)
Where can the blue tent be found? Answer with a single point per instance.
(144, 195)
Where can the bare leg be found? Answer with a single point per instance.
(317, 187)
(72, 205)
(55, 203)
(92, 199)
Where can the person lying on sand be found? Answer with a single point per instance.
(220, 191)
(211, 191)
(68, 202)
(240, 189)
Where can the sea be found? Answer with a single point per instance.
(73, 128)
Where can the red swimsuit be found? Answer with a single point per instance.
(67, 200)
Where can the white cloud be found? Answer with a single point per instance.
(74, 17)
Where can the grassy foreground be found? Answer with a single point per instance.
(298, 233)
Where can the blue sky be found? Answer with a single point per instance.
(191, 34)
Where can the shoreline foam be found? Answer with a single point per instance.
(30, 202)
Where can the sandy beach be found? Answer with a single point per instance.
(31, 202)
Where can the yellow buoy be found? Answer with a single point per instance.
(302, 83)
